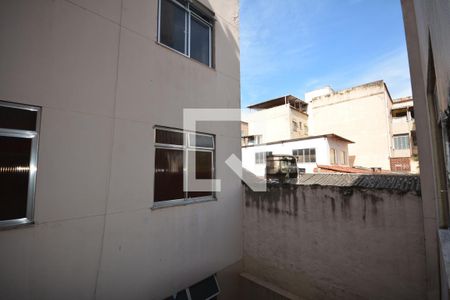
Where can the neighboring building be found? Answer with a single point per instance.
(361, 114)
(382, 128)
(310, 152)
(404, 157)
(244, 129)
(108, 81)
(427, 26)
(283, 118)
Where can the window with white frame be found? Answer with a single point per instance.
(401, 141)
(305, 155)
(19, 134)
(186, 26)
(173, 149)
(260, 157)
(333, 159)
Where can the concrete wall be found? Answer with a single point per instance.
(320, 242)
(366, 108)
(103, 83)
(428, 22)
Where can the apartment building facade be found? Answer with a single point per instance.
(404, 157)
(277, 119)
(93, 155)
(385, 133)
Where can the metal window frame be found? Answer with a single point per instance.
(185, 148)
(188, 292)
(34, 136)
(189, 14)
(402, 140)
(301, 155)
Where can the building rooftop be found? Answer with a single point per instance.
(403, 183)
(377, 83)
(403, 99)
(345, 169)
(332, 135)
(289, 99)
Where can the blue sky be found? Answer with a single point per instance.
(294, 46)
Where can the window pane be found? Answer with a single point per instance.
(173, 26)
(313, 155)
(168, 174)
(401, 142)
(307, 157)
(301, 156)
(169, 137)
(14, 176)
(204, 289)
(199, 41)
(203, 170)
(204, 141)
(14, 118)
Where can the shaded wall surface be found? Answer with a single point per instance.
(325, 242)
(103, 83)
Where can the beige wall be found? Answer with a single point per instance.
(425, 22)
(275, 124)
(360, 114)
(320, 242)
(103, 83)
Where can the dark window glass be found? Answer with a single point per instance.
(203, 141)
(169, 137)
(173, 26)
(414, 138)
(181, 295)
(203, 170)
(168, 174)
(14, 176)
(313, 155)
(204, 289)
(15, 118)
(199, 41)
(301, 157)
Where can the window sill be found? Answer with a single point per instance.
(13, 224)
(181, 202)
(184, 55)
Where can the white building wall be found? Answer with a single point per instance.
(275, 124)
(321, 145)
(361, 114)
(103, 83)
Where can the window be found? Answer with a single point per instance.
(294, 126)
(401, 141)
(333, 156)
(260, 157)
(19, 126)
(186, 27)
(305, 155)
(342, 157)
(173, 149)
(206, 289)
